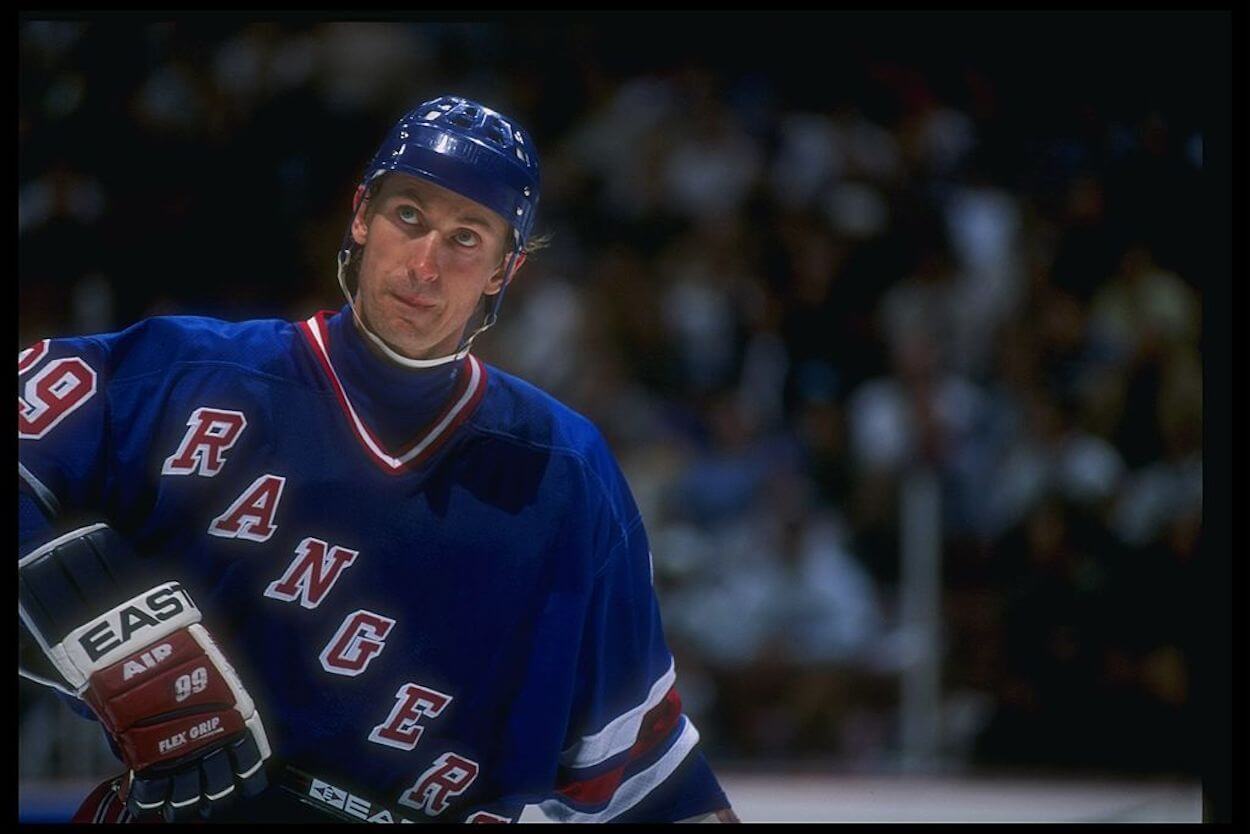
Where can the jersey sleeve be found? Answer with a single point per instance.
(62, 420)
(61, 438)
(89, 412)
(631, 752)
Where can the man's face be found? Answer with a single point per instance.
(429, 256)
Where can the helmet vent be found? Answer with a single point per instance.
(500, 134)
(466, 115)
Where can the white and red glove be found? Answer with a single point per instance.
(169, 699)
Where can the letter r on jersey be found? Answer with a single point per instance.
(412, 703)
(358, 640)
(450, 776)
(210, 432)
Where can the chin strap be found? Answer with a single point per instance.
(345, 258)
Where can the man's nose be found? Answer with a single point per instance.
(423, 256)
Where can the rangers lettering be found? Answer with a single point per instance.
(359, 639)
(53, 394)
(251, 515)
(450, 776)
(412, 703)
(312, 574)
(211, 433)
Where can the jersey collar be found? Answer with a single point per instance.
(460, 406)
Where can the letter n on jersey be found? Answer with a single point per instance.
(313, 572)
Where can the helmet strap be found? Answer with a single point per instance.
(345, 257)
(495, 302)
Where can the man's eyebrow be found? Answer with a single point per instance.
(471, 218)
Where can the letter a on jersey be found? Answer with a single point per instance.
(312, 574)
(251, 515)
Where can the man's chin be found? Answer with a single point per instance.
(402, 342)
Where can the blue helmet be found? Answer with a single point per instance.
(472, 150)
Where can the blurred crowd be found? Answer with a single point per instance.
(778, 302)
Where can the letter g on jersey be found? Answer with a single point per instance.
(360, 638)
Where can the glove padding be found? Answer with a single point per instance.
(167, 696)
(184, 724)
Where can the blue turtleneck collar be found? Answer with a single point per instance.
(397, 403)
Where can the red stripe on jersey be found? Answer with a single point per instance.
(473, 373)
(657, 725)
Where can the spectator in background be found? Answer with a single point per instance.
(922, 415)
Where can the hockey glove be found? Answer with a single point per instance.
(137, 654)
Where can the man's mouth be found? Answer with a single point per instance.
(414, 301)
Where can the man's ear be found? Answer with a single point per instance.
(360, 229)
(495, 284)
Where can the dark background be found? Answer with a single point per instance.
(795, 260)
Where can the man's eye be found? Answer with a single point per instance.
(466, 238)
(408, 214)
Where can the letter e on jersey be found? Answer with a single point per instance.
(412, 703)
(251, 515)
(312, 574)
(359, 639)
(450, 776)
(210, 433)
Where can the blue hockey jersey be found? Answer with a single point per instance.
(453, 625)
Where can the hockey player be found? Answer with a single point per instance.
(341, 566)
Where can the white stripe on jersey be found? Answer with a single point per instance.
(633, 790)
(44, 494)
(620, 733)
